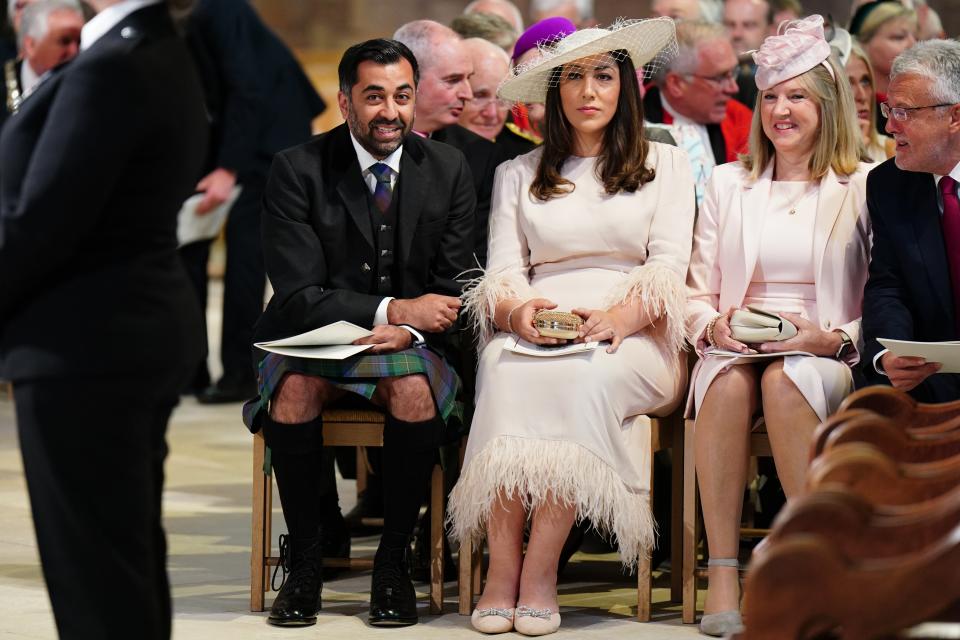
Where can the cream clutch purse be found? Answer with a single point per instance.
(557, 324)
(751, 325)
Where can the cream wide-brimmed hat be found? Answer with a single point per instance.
(648, 42)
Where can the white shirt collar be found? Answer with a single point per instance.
(28, 78)
(107, 19)
(955, 174)
(367, 160)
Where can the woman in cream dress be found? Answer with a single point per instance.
(597, 221)
(786, 229)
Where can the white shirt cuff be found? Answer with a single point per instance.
(417, 336)
(380, 317)
(876, 362)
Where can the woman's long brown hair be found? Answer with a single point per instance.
(621, 165)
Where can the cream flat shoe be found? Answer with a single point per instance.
(535, 622)
(492, 620)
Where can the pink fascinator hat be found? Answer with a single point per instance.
(799, 47)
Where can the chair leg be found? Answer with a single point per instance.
(644, 577)
(436, 541)
(465, 579)
(262, 488)
(689, 567)
(676, 509)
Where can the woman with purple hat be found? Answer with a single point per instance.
(780, 249)
(527, 118)
(589, 246)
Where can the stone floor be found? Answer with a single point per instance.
(207, 514)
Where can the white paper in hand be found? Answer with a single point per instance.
(193, 227)
(524, 348)
(329, 342)
(946, 353)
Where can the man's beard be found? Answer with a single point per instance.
(364, 134)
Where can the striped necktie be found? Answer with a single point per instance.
(383, 194)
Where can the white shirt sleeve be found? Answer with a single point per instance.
(380, 317)
(876, 362)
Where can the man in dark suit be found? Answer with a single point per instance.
(261, 102)
(446, 67)
(368, 224)
(913, 292)
(49, 36)
(98, 327)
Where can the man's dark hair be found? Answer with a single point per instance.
(379, 50)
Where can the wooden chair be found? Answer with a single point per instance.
(900, 407)
(867, 471)
(665, 434)
(760, 448)
(869, 551)
(341, 428)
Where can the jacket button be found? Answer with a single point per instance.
(365, 267)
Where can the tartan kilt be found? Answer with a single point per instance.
(359, 374)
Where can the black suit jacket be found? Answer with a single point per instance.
(483, 157)
(318, 240)
(908, 295)
(258, 96)
(94, 167)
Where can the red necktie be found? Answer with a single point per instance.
(951, 240)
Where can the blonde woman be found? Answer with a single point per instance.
(879, 147)
(784, 230)
(885, 29)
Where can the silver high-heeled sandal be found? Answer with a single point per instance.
(492, 620)
(722, 623)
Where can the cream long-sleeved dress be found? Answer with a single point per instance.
(574, 427)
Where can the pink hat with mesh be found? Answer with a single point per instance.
(800, 47)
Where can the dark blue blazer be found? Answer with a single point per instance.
(95, 165)
(908, 295)
(259, 99)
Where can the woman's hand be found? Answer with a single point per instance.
(809, 338)
(601, 325)
(521, 321)
(723, 335)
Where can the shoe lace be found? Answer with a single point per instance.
(283, 565)
(302, 570)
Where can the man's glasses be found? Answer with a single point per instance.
(721, 79)
(900, 113)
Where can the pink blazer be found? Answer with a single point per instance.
(726, 244)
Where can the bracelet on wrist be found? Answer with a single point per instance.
(510, 317)
(709, 333)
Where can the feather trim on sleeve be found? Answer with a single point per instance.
(663, 295)
(481, 295)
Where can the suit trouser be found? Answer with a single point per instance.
(93, 452)
(244, 279)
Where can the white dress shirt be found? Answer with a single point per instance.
(28, 79)
(366, 160)
(107, 19)
(955, 174)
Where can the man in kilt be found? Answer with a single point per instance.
(369, 224)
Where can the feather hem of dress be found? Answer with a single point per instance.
(536, 471)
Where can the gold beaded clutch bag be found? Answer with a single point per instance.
(557, 324)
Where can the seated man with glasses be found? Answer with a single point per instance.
(914, 288)
(694, 95)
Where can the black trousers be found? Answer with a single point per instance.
(244, 279)
(93, 452)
